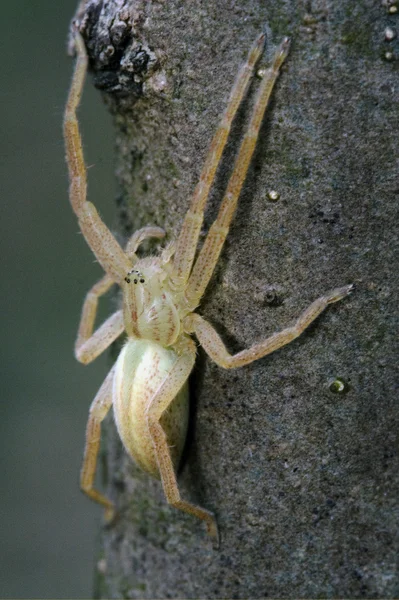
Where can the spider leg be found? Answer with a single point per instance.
(214, 347)
(159, 404)
(87, 350)
(87, 345)
(105, 247)
(188, 239)
(139, 236)
(98, 410)
(208, 257)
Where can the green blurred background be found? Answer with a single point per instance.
(48, 529)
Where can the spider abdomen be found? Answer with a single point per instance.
(141, 368)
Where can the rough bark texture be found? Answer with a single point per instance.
(303, 480)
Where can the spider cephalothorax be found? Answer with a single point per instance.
(150, 310)
(148, 384)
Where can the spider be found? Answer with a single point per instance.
(147, 386)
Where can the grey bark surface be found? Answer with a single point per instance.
(303, 480)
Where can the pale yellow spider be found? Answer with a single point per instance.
(148, 384)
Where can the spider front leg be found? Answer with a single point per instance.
(157, 407)
(210, 251)
(105, 247)
(214, 347)
(187, 241)
(98, 411)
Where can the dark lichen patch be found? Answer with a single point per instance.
(120, 58)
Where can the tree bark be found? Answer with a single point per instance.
(300, 468)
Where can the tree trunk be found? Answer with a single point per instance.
(294, 453)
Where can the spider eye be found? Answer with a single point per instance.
(138, 277)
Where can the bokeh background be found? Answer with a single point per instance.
(48, 529)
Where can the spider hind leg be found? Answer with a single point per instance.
(98, 411)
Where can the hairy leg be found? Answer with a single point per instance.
(214, 347)
(188, 239)
(98, 410)
(159, 404)
(105, 247)
(87, 350)
(88, 345)
(141, 235)
(210, 251)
